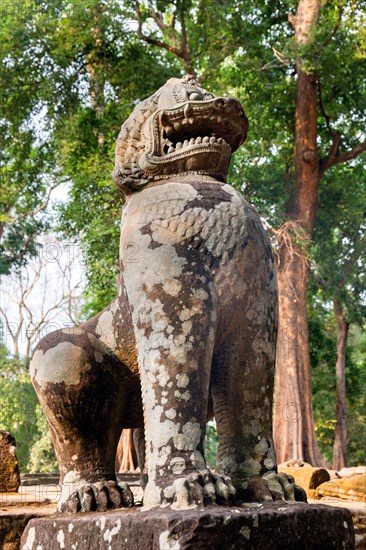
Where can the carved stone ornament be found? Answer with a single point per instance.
(191, 333)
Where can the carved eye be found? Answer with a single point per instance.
(194, 96)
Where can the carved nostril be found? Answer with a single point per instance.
(219, 103)
(232, 103)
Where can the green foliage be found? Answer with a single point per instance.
(340, 239)
(339, 273)
(18, 403)
(26, 162)
(322, 340)
(322, 331)
(42, 455)
(356, 395)
(210, 444)
(21, 415)
(79, 68)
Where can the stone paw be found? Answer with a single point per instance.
(199, 489)
(283, 486)
(272, 486)
(99, 496)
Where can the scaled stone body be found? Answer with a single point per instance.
(191, 333)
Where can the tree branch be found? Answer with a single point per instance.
(156, 15)
(42, 206)
(323, 111)
(154, 41)
(178, 38)
(335, 157)
(339, 20)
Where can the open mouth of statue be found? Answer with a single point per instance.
(212, 126)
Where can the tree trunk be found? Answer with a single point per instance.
(340, 436)
(126, 458)
(294, 432)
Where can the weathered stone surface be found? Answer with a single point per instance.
(346, 488)
(359, 524)
(13, 521)
(9, 469)
(191, 333)
(358, 511)
(271, 526)
(308, 478)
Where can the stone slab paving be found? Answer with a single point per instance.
(16, 510)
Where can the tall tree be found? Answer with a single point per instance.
(297, 439)
(339, 254)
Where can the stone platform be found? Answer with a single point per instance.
(295, 526)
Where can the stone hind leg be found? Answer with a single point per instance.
(243, 370)
(242, 387)
(83, 389)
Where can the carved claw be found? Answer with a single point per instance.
(100, 496)
(199, 489)
(272, 486)
(284, 485)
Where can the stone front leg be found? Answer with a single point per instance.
(173, 320)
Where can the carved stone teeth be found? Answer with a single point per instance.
(185, 122)
(187, 110)
(198, 140)
(171, 150)
(164, 119)
(185, 143)
(212, 139)
(177, 126)
(169, 130)
(191, 120)
(179, 145)
(192, 141)
(206, 139)
(220, 140)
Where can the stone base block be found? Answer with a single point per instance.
(296, 526)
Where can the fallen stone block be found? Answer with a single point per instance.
(346, 488)
(352, 471)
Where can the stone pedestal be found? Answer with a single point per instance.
(284, 526)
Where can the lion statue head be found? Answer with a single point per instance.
(180, 129)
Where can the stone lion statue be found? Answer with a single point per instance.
(191, 334)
